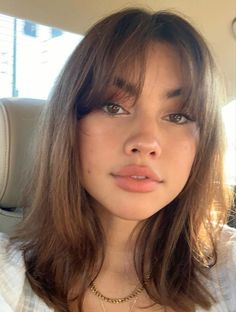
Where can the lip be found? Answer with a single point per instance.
(123, 179)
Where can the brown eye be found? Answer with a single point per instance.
(178, 118)
(114, 109)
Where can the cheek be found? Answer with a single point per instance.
(96, 145)
(189, 156)
(99, 137)
(87, 150)
(182, 153)
(187, 143)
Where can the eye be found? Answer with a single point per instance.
(179, 118)
(114, 109)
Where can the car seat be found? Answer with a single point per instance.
(18, 122)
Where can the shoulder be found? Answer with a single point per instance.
(223, 274)
(12, 274)
(16, 294)
(226, 247)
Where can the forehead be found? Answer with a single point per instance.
(163, 64)
(161, 67)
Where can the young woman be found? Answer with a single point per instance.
(128, 204)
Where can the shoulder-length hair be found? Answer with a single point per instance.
(61, 237)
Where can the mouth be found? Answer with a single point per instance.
(140, 179)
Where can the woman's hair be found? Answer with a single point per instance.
(61, 237)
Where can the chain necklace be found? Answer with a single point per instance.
(130, 309)
(134, 294)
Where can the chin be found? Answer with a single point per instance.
(135, 214)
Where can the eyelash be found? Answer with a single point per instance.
(114, 105)
(186, 117)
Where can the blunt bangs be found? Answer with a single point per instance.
(118, 50)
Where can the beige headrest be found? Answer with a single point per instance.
(18, 121)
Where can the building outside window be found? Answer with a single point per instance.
(31, 56)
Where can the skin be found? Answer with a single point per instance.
(147, 134)
(140, 134)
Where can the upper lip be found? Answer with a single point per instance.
(137, 170)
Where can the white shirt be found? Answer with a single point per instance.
(16, 294)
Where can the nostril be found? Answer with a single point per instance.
(134, 150)
(153, 153)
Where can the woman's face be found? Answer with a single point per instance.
(136, 158)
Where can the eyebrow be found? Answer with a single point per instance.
(125, 86)
(131, 89)
(174, 93)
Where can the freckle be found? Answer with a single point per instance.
(88, 171)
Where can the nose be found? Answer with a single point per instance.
(143, 143)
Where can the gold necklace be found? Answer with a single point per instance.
(130, 309)
(134, 294)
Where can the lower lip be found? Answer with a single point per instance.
(134, 185)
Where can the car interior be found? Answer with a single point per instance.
(18, 120)
(19, 115)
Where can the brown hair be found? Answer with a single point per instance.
(61, 237)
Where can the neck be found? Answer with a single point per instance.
(118, 266)
(120, 243)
